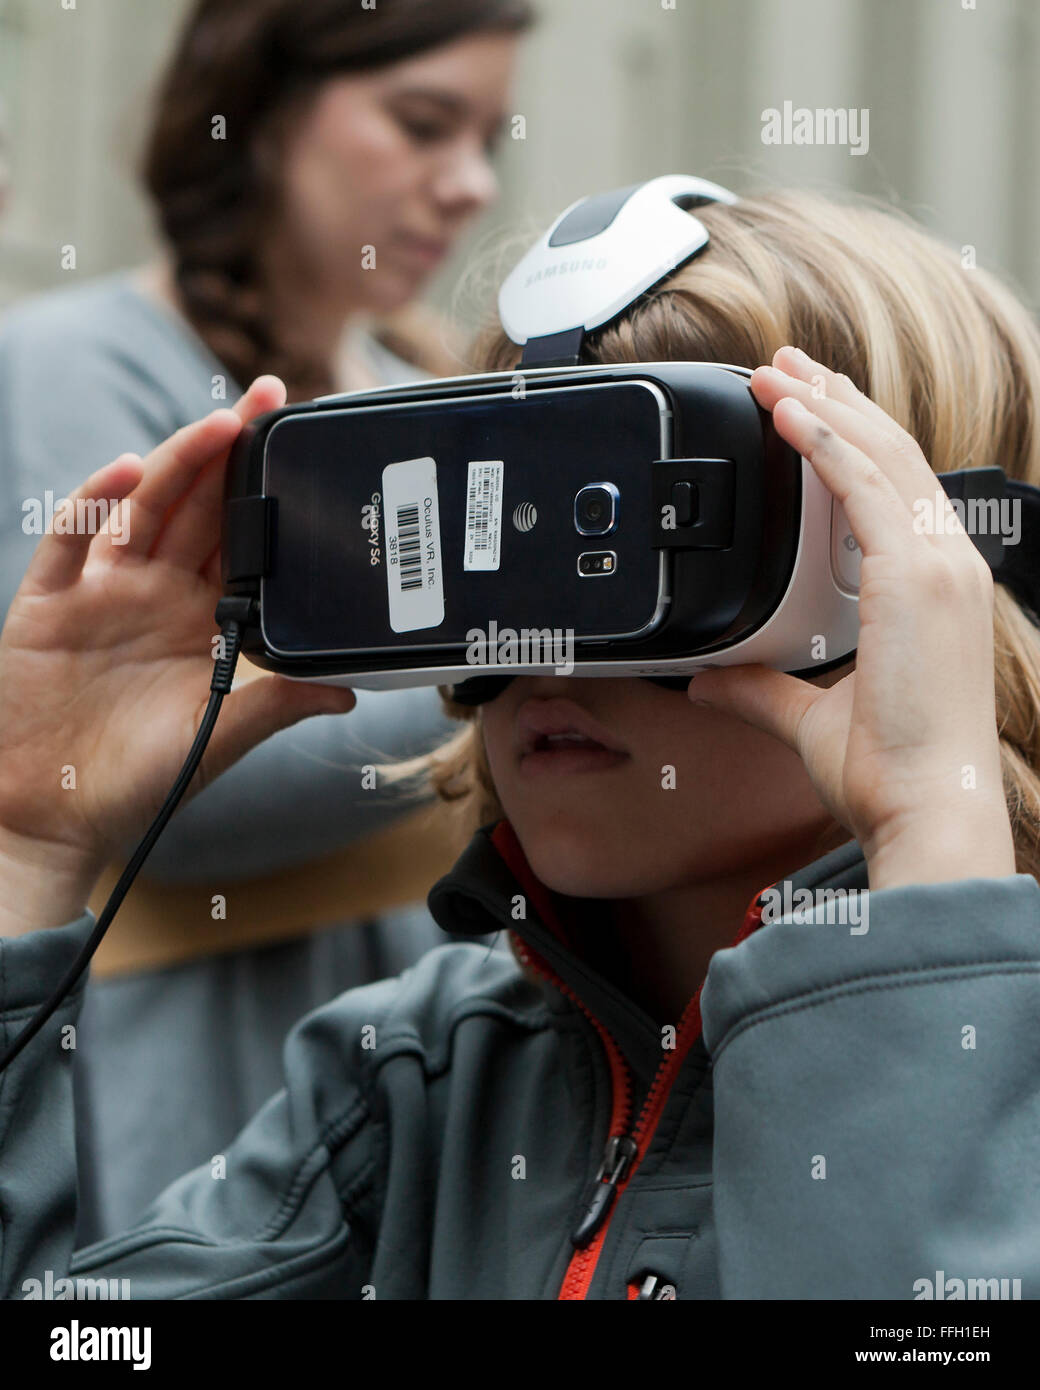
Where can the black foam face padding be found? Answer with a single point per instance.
(670, 682)
(480, 689)
(1019, 568)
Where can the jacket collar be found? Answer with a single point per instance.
(492, 881)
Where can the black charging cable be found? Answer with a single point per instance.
(234, 616)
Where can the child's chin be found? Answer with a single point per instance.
(581, 866)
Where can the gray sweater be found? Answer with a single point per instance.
(87, 373)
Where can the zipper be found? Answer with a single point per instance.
(654, 1287)
(620, 1152)
(626, 1145)
(583, 1263)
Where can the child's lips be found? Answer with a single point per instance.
(558, 735)
(570, 757)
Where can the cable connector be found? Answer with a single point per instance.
(234, 615)
(238, 608)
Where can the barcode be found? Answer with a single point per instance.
(483, 515)
(478, 514)
(414, 577)
(409, 554)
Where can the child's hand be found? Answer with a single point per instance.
(106, 661)
(904, 751)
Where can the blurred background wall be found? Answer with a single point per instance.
(611, 90)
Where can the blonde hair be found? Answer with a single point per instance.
(948, 351)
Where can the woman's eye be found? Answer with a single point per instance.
(424, 130)
(427, 132)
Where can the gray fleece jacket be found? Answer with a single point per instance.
(858, 1115)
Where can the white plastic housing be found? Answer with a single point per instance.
(589, 282)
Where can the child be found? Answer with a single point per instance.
(856, 1113)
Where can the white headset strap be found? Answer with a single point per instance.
(597, 258)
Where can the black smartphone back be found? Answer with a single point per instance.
(415, 524)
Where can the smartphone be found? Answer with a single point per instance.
(411, 525)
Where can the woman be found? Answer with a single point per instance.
(835, 1132)
(310, 165)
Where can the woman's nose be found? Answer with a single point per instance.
(466, 182)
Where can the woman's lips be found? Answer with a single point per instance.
(422, 250)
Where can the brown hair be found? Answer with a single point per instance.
(258, 63)
(948, 351)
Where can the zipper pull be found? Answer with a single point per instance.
(654, 1288)
(619, 1153)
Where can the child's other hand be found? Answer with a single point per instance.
(106, 658)
(904, 751)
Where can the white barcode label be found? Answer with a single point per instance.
(483, 515)
(415, 586)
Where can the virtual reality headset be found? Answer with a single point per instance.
(630, 520)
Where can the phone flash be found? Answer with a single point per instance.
(593, 562)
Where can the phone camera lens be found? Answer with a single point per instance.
(595, 509)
